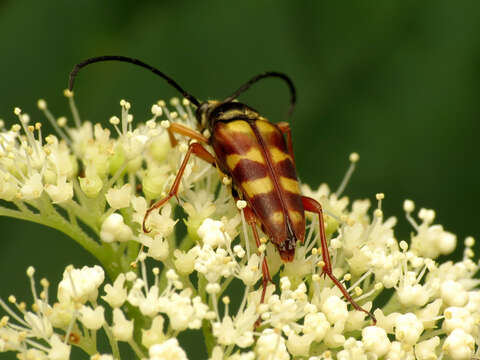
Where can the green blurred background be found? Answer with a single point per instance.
(396, 81)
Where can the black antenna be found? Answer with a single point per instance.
(137, 62)
(284, 77)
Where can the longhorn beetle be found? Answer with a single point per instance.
(253, 152)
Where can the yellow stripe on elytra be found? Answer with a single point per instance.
(278, 155)
(253, 154)
(290, 185)
(277, 217)
(257, 186)
(265, 126)
(295, 216)
(239, 126)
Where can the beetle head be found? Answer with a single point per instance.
(204, 112)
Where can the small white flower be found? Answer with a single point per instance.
(250, 273)
(425, 350)
(101, 357)
(161, 222)
(459, 345)
(432, 240)
(8, 187)
(214, 264)
(453, 293)
(317, 324)
(80, 285)
(169, 350)
(91, 184)
(236, 331)
(375, 340)
(62, 314)
(154, 335)
(399, 351)
(183, 311)
(32, 188)
(154, 181)
(185, 261)
(93, 319)
(353, 350)
(410, 292)
(117, 294)
(408, 328)
(270, 345)
(212, 233)
(40, 325)
(59, 350)
(61, 192)
(428, 313)
(458, 318)
(122, 328)
(119, 198)
(149, 306)
(335, 309)
(299, 345)
(114, 229)
(158, 248)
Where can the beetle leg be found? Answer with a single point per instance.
(185, 131)
(194, 148)
(285, 129)
(314, 206)
(252, 221)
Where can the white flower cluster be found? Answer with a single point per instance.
(84, 177)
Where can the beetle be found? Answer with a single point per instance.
(258, 156)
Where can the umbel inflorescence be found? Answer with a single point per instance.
(95, 183)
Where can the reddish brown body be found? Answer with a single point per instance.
(254, 153)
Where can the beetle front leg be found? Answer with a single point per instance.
(314, 206)
(194, 148)
(185, 131)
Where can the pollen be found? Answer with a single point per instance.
(241, 204)
(67, 93)
(354, 157)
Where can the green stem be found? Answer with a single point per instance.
(112, 341)
(136, 349)
(206, 325)
(208, 336)
(56, 222)
(83, 214)
(49, 217)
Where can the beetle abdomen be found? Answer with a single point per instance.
(254, 153)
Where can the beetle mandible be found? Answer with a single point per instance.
(258, 156)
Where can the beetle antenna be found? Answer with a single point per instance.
(137, 62)
(284, 77)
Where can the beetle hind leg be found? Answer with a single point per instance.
(314, 206)
(251, 220)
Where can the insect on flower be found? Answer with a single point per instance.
(258, 156)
